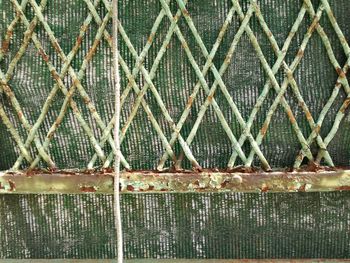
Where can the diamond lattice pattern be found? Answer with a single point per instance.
(205, 84)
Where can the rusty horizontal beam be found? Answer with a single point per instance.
(146, 181)
(177, 260)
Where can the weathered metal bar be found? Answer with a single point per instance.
(75, 182)
(175, 260)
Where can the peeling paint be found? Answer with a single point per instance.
(185, 181)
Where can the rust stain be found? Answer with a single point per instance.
(228, 59)
(185, 11)
(43, 55)
(300, 53)
(150, 38)
(302, 188)
(264, 188)
(308, 115)
(313, 167)
(196, 183)
(224, 183)
(345, 105)
(12, 185)
(190, 101)
(5, 46)
(291, 116)
(56, 47)
(343, 188)
(340, 72)
(88, 189)
(196, 167)
(92, 50)
(264, 129)
(130, 188)
(317, 129)
(55, 75)
(86, 100)
(79, 41)
(76, 82)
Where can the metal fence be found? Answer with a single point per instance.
(247, 96)
(203, 84)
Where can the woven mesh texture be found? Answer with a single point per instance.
(245, 82)
(312, 225)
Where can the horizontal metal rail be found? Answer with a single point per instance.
(75, 182)
(176, 260)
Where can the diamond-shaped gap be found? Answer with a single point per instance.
(315, 76)
(71, 147)
(98, 84)
(11, 48)
(208, 18)
(226, 108)
(298, 38)
(226, 40)
(31, 83)
(245, 77)
(280, 144)
(86, 42)
(90, 121)
(65, 19)
(193, 46)
(298, 112)
(280, 16)
(339, 9)
(7, 14)
(142, 146)
(144, 13)
(43, 37)
(211, 145)
(263, 41)
(175, 82)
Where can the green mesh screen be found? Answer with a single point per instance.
(228, 225)
(205, 83)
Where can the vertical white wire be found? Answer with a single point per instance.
(116, 78)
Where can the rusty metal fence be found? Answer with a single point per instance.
(247, 96)
(56, 93)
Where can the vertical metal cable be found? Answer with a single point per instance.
(116, 76)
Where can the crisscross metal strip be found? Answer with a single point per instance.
(31, 150)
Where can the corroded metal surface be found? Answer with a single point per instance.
(206, 181)
(175, 260)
